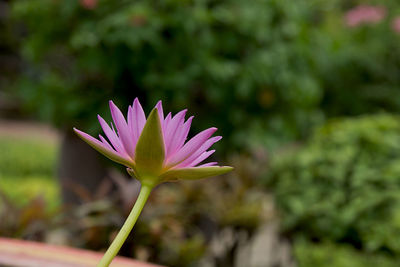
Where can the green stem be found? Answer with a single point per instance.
(119, 240)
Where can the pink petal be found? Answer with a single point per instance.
(179, 140)
(90, 139)
(130, 121)
(172, 129)
(136, 120)
(190, 147)
(207, 164)
(104, 141)
(206, 145)
(112, 136)
(104, 149)
(167, 121)
(123, 130)
(160, 113)
(201, 158)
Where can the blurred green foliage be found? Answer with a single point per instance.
(343, 185)
(264, 71)
(27, 169)
(30, 220)
(29, 193)
(358, 66)
(334, 255)
(27, 156)
(23, 190)
(245, 66)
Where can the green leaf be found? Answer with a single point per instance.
(150, 154)
(195, 173)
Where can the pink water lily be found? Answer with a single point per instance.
(365, 14)
(154, 150)
(156, 147)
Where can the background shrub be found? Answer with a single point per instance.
(27, 156)
(265, 71)
(343, 185)
(27, 170)
(334, 255)
(245, 65)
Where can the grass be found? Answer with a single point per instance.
(27, 168)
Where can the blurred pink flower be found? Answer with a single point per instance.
(88, 4)
(364, 14)
(156, 146)
(396, 24)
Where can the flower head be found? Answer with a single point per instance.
(396, 24)
(154, 149)
(88, 4)
(365, 14)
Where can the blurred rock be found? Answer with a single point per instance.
(264, 248)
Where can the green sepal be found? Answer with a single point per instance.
(194, 173)
(150, 152)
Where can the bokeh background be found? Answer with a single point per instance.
(306, 94)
